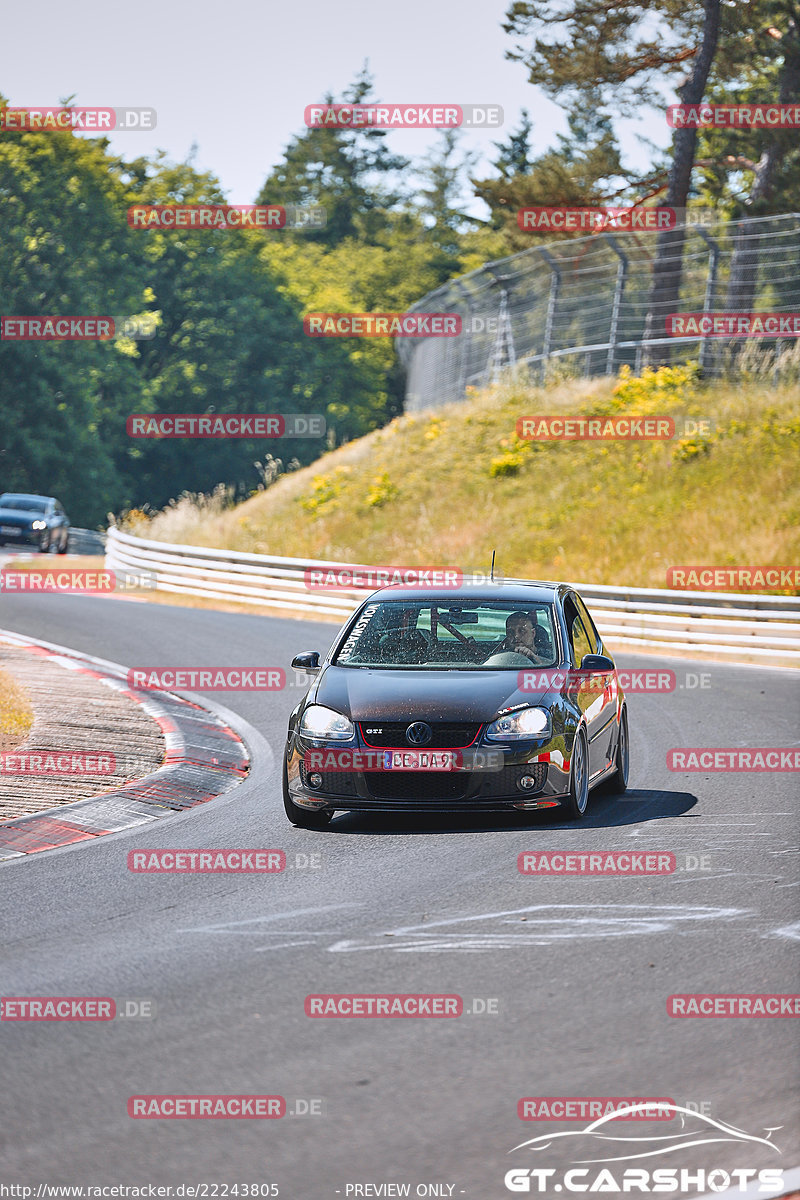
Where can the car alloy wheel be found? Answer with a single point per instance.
(578, 778)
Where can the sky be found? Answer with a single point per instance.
(234, 76)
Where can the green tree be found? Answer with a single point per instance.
(349, 171)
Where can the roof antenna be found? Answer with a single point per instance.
(491, 574)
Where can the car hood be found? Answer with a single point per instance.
(16, 516)
(366, 693)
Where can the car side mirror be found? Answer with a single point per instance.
(307, 661)
(596, 662)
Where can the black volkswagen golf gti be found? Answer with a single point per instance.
(497, 696)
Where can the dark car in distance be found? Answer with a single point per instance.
(431, 700)
(30, 520)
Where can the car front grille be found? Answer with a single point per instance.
(418, 785)
(445, 734)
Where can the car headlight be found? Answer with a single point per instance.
(321, 722)
(39, 525)
(526, 723)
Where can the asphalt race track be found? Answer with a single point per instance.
(580, 968)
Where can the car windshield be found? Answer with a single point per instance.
(487, 635)
(23, 503)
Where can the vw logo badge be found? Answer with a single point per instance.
(419, 734)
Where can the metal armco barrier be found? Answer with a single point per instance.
(735, 624)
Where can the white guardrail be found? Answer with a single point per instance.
(736, 624)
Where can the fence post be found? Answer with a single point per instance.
(503, 351)
(466, 338)
(552, 301)
(711, 287)
(619, 289)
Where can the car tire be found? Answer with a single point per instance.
(576, 806)
(618, 781)
(304, 818)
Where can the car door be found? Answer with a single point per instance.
(594, 695)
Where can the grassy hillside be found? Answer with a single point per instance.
(448, 487)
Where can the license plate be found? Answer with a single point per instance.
(9, 529)
(420, 760)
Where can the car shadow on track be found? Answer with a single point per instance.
(605, 812)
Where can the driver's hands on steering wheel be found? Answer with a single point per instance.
(522, 648)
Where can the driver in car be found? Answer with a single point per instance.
(521, 637)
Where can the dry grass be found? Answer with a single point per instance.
(446, 487)
(16, 713)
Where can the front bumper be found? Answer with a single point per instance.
(28, 537)
(462, 790)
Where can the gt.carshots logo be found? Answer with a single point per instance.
(386, 324)
(592, 1175)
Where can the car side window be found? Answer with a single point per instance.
(579, 641)
(588, 624)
